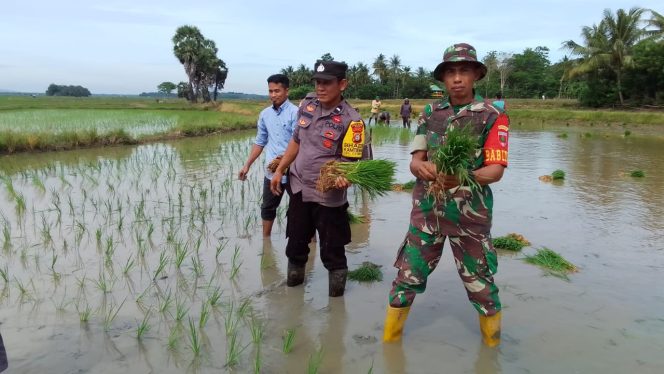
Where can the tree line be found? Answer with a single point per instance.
(63, 90)
(619, 61)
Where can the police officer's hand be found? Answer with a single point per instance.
(242, 175)
(341, 183)
(275, 183)
(424, 170)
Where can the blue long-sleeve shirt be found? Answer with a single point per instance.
(275, 129)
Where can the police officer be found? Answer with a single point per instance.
(328, 128)
(465, 216)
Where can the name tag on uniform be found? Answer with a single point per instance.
(353, 140)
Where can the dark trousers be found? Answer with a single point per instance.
(304, 219)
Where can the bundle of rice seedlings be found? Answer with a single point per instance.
(511, 242)
(272, 166)
(353, 219)
(367, 272)
(456, 157)
(558, 175)
(551, 261)
(373, 176)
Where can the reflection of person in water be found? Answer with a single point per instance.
(3, 355)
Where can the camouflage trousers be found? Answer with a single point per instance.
(475, 259)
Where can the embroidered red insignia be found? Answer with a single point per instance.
(310, 108)
(327, 143)
(336, 119)
(329, 134)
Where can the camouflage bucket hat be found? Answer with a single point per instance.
(459, 53)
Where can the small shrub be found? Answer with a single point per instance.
(563, 135)
(637, 174)
(628, 133)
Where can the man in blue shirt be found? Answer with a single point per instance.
(275, 129)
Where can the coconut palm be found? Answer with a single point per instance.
(656, 21)
(395, 73)
(380, 68)
(609, 44)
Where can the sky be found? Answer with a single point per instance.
(125, 47)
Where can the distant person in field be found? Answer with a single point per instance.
(499, 102)
(384, 118)
(406, 111)
(375, 110)
(275, 129)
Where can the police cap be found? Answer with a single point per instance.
(328, 70)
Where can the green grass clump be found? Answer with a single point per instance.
(628, 133)
(375, 177)
(637, 174)
(552, 262)
(367, 272)
(563, 135)
(456, 157)
(558, 175)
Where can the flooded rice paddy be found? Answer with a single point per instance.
(150, 259)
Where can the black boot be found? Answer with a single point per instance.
(337, 282)
(295, 275)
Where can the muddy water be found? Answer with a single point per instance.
(95, 211)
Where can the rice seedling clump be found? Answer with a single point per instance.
(637, 174)
(272, 166)
(367, 272)
(455, 157)
(353, 218)
(372, 176)
(552, 262)
(511, 242)
(558, 175)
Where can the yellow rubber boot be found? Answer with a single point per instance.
(394, 321)
(490, 326)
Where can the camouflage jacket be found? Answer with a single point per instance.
(465, 210)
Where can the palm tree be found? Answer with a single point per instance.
(187, 44)
(609, 44)
(395, 73)
(380, 68)
(657, 21)
(288, 71)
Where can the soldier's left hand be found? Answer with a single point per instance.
(341, 183)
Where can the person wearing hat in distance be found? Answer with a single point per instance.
(328, 128)
(275, 129)
(465, 217)
(375, 110)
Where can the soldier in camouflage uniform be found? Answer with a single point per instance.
(464, 216)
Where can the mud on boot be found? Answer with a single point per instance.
(295, 275)
(337, 282)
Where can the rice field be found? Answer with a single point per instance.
(149, 258)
